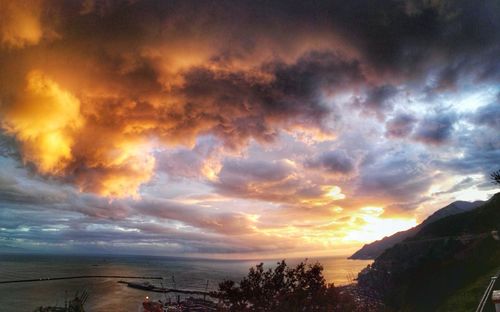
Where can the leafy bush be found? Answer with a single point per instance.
(495, 177)
(302, 288)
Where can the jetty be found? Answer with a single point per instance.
(44, 279)
(149, 287)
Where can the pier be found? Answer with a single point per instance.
(44, 279)
(165, 290)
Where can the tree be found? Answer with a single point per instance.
(495, 176)
(302, 288)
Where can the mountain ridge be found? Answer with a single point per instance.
(376, 248)
(425, 271)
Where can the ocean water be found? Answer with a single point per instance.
(106, 294)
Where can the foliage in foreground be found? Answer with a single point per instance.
(495, 177)
(283, 288)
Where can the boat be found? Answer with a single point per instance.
(152, 306)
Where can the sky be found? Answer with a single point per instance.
(241, 129)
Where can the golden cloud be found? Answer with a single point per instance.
(48, 122)
(100, 101)
(44, 119)
(20, 23)
(117, 169)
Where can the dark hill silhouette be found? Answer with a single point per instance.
(422, 272)
(376, 248)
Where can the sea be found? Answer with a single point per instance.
(106, 294)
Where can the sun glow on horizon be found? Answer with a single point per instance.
(160, 127)
(373, 227)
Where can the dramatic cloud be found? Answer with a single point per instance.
(112, 155)
(241, 127)
(44, 118)
(236, 105)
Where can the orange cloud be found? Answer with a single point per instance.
(99, 99)
(20, 23)
(54, 136)
(117, 169)
(44, 119)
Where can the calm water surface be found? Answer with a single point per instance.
(108, 295)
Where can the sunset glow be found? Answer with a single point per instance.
(377, 228)
(235, 130)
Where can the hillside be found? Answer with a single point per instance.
(376, 248)
(424, 271)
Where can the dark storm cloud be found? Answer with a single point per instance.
(402, 36)
(479, 146)
(400, 126)
(378, 100)
(489, 115)
(435, 130)
(240, 105)
(410, 36)
(333, 162)
(480, 153)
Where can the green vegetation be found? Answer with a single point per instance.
(467, 298)
(495, 177)
(282, 288)
(444, 258)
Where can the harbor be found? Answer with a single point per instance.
(77, 302)
(32, 281)
(146, 286)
